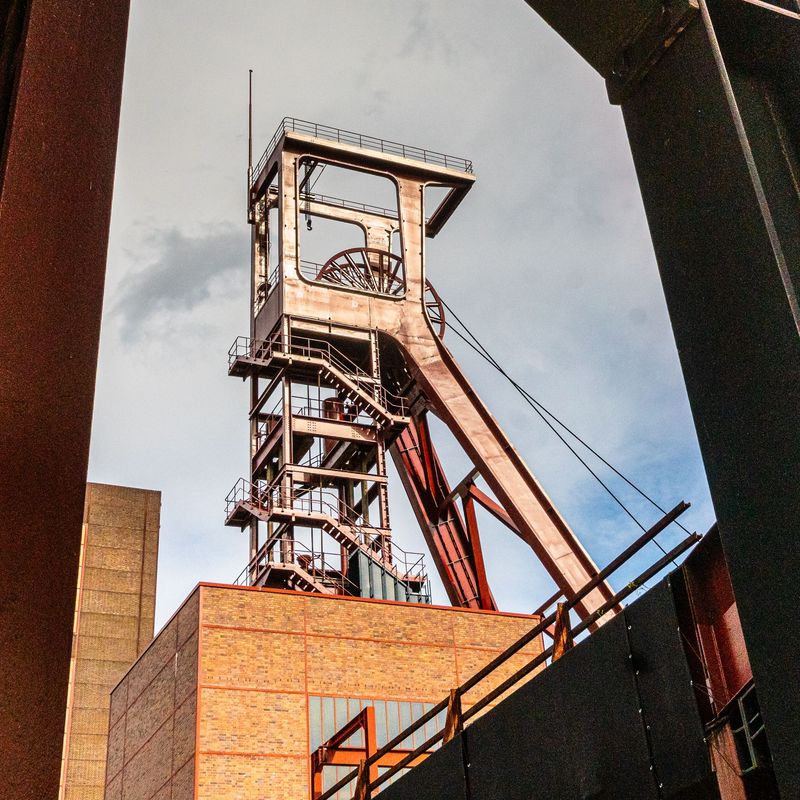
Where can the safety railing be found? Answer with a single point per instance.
(406, 565)
(265, 288)
(331, 134)
(362, 773)
(319, 565)
(272, 419)
(352, 205)
(265, 349)
(336, 410)
(310, 269)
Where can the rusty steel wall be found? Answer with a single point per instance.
(113, 623)
(60, 131)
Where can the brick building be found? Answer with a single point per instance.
(243, 683)
(113, 622)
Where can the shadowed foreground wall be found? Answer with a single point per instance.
(113, 623)
(615, 717)
(217, 706)
(61, 65)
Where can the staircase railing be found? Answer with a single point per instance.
(264, 349)
(320, 566)
(407, 565)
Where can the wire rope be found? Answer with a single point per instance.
(546, 416)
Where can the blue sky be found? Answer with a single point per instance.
(548, 259)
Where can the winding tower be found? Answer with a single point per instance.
(344, 360)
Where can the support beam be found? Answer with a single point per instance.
(714, 128)
(453, 724)
(562, 635)
(484, 594)
(492, 507)
(461, 489)
(442, 525)
(61, 67)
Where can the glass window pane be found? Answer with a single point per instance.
(381, 732)
(416, 713)
(405, 721)
(314, 722)
(393, 718)
(353, 709)
(340, 708)
(328, 721)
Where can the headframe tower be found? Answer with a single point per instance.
(344, 360)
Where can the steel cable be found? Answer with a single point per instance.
(543, 412)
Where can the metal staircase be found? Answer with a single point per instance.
(337, 370)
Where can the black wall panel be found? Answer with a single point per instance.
(611, 720)
(440, 777)
(573, 732)
(676, 738)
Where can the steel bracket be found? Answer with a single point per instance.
(646, 48)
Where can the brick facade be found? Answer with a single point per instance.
(217, 707)
(113, 623)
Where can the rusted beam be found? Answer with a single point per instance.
(492, 507)
(562, 635)
(460, 490)
(453, 723)
(442, 525)
(362, 790)
(484, 594)
(353, 756)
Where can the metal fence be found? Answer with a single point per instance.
(495, 693)
(359, 140)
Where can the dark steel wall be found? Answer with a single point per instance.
(60, 92)
(724, 218)
(616, 717)
(714, 131)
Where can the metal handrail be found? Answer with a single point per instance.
(328, 503)
(352, 205)
(323, 573)
(316, 410)
(318, 348)
(359, 140)
(266, 426)
(524, 640)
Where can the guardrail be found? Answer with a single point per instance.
(318, 564)
(405, 564)
(331, 134)
(264, 349)
(363, 771)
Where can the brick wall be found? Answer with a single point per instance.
(254, 656)
(152, 723)
(113, 622)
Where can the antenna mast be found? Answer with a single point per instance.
(249, 141)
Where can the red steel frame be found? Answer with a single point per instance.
(453, 539)
(334, 752)
(406, 353)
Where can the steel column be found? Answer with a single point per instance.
(714, 126)
(60, 87)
